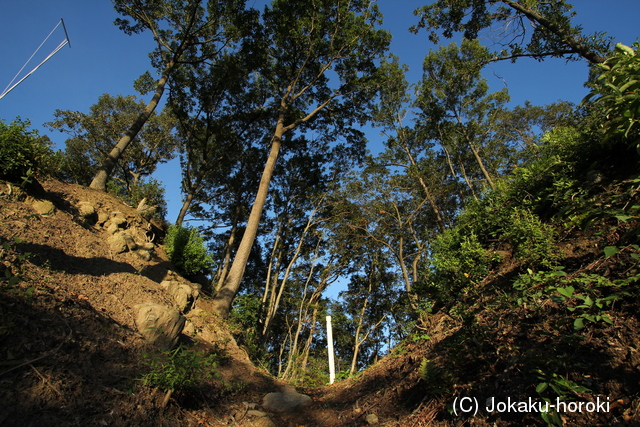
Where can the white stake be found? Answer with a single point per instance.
(332, 367)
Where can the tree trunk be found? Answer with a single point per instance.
(100, 180)
(427, 191)
(222, 272)
(224, 298)
(185, 208)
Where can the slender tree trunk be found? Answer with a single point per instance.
(356, 341)
(476, 154)
(224, 298)
(303, 316)
(307, 347)
(273, 307)
(100, 180)
(427, 191)
(222, 273)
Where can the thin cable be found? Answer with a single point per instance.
(60, 46)
(31, 57)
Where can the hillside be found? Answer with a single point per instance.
(72, 353)
(71, 350)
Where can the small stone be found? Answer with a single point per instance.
(189, 329)
(285, 401)
(255, 413)
(44, 207)
(117, 243)
(87, 211)
(372, 419)
(144, 254)
(264, 422)
(131, 244)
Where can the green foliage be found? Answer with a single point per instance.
(521, 215)
(459, 260)
(588, 296)
(150, 189)
(552, 387)
(187, 251)
(179, 369)
(93, 135)
(617, 90)
(244, 320)
(533, 241)
(23, 153)
(552, 32)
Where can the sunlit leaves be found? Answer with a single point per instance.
(617, 90)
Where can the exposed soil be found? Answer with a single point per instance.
(70, 352)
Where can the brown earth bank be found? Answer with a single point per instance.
(72, 354)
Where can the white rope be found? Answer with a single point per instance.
(60, 46)
(30, 58)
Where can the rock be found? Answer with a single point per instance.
(285, 401)
(263, 422)
(128, 239)
(117, 243)
(116, 223)
(103, 216)
(159, 325)
(372, 419)
(88, 212)
(183, 294)
(122, 242)
(144, 254)
(189, 329)
(44, 207)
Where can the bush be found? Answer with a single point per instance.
(532, 240)
(187, 251)
(459, 263)
(23, 153)
(179, 369)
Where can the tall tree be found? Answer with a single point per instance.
(94, 133)
(509, 21)
(456, 110)
(185, 31)
(220, 118)
(321, 68)
(405, 148)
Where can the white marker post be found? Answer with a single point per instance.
(332, 367)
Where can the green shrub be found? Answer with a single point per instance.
(532, 240)
(187, 250)
(178, 369)
(459, 263)
(23, 153)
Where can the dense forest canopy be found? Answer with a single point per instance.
(265, 111)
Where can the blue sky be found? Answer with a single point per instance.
(102, 59)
